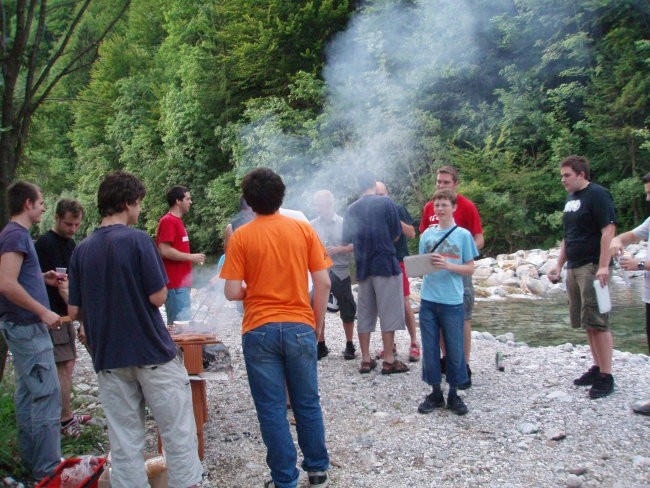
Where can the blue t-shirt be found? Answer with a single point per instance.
(372, 224)
(15, 238)
(445, 286)
(112, 273)
(586, 213)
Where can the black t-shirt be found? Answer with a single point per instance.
(53, 252)
(586, 213)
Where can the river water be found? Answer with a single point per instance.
(545, 321)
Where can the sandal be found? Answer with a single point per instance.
(395, 367)
(414, 353)
(367, 366)
(380, 352)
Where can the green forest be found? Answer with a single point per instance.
(198, 92)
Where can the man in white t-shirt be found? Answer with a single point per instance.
(629, 263)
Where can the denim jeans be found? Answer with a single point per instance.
(178, 305)
(276, 354)
(436, 317)
(37, 398)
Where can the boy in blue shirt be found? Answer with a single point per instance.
(453, 252)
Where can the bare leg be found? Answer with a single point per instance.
(348, 327)
(64, 372)
(409, 318)
(388, 339)
(321, 337)
(602, 346)
(364, 345)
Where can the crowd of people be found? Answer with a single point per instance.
(114, 282)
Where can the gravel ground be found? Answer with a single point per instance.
(527, 426)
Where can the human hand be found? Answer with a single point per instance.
(81, 334)
(198, 258)
(628, 263)
(603, 275)
(51, 319)
(554, 275)
(438, 261)
(51, 277)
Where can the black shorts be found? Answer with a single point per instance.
(342, 291)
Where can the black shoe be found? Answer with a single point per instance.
(468, 383)
(457, 405)
(322, 350)
(318, 479)
(349, 352)
(443, 365)
(603, 385)
(588, 378)
(431, 402)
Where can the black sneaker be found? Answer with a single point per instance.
(588, 378)
(318, 479)
(443, 365)
(322, 350)
(431, 402)
(349, 352)
(457, 405)
(468, 383)
(602, 386)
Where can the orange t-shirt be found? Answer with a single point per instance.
(273, 254)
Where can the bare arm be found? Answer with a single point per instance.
(606, 235)
(622, 240)
(339, 249)
(479, 241)
(322, 285)
(10, 265)
(157, 299)
(226, 236)
(234, 290)
(465, 269)
(408, 230)
(168, 252)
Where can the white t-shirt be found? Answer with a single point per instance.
(643, 232)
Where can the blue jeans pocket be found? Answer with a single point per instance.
(253, 345)
(307, 343)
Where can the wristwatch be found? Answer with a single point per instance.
(641, 265)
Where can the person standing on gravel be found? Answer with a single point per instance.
(54, 249)
(467, 217)
(442, 309)
(117, 284)
(402, 250)
(266, 266)
(372, 225)
(174, 247)
(329, 227)
(589, 221)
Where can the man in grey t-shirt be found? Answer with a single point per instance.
(329, 227)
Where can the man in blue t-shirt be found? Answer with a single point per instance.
(589, 221)
(117, 283)
(25, 318)
(372, 225)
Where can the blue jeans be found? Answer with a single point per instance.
(37, 398)
(435, 317)
(178, 305)
(279, 354)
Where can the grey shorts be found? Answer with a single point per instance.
(64, 341)
(583, 306)
(380, 297)
(468, 297)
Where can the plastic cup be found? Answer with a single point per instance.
(602, 297)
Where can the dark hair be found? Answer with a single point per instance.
(450, 170)
(175, 194)
(445, 194)
(646, 178)
(18, 194)
(263, 190)
(67, 205)
(366, 181)
(118, 189)
(579, 164)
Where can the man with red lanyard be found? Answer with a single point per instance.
(467, 217)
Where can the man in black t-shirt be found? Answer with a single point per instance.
(589, 222)
(54, 250)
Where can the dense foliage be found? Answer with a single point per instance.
(196, 92)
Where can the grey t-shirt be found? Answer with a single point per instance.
(331, 234)
(643, 233)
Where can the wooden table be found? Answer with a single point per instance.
(193, 360)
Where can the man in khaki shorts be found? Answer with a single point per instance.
(372, 225)
(54, 249)
(589, 221)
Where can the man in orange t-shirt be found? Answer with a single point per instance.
(266, 267)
